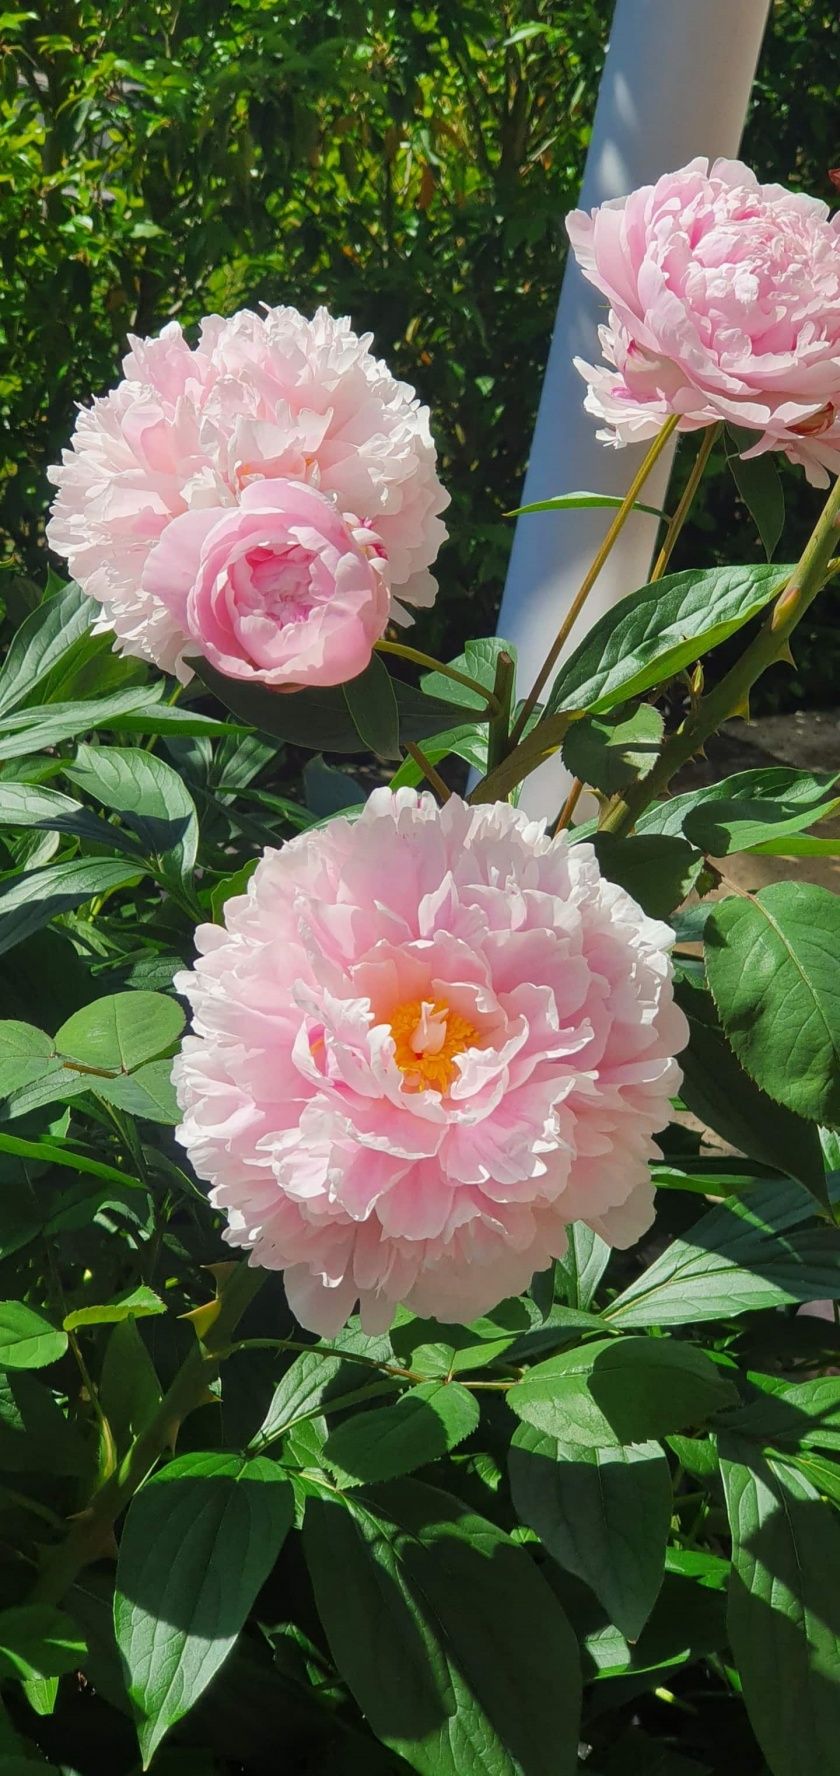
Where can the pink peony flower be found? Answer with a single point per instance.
(261, 398)
(277, 588)
(425, 1041)
(724, 304)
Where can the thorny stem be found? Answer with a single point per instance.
(731, 694)
(652, 456)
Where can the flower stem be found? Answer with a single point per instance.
(731, 694)
(498, 737)
(676, 522)
(91, 1532)
(430, 664)
(425, 765)
(564, 817)
(652, 456)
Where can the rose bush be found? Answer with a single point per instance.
(562, 1496)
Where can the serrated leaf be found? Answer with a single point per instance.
(135, 1304)
(773, 964)
(620, 1391)
(152, 798)
(603, 1514)
(653, 633)
(199, 1540)
(782, 1614)
(148, 1093)
(27, 1339)
(656, 871)
(372, 703)
(422, 1425)
(121, 1031)
(611, 750)
(451, 1642)
(718, 1091)
(745, 1255)
(26, 1054)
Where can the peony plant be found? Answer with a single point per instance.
(421, 1221)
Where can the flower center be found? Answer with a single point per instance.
(428, 1035)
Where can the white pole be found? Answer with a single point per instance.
(676, 83)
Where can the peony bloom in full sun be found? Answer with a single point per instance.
(425, 1041)
(188, 438)
(724, 303)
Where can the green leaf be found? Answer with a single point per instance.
(732, 815)
(50, 1153)
(371, 700)
(148, 1093)
(798, 1415)
(121, 1031)
(27, 1340)
(36, 728)
(37, 1640)
(42, 1694)
(229, 887)
(26, 1054)
(603, 1514)
(51, 634)
(718, 1091)
(743, 1256)
(392, 1440)
(32, 899)
(478, 660)
(564, 502)
(583, 1264)
(759, 484)
(783, 1609)
(468, 742)
(199, 1540)
(773, 964)
(657, 871)
(320, 719)
(136, 1304)
(449, 1639)
(609, 751)
(152, 798)
(620, 1391)
(129, 1390)
(27, 805)
(655, 632)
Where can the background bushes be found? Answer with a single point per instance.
(410, 166)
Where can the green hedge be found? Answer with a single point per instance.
(408, 166)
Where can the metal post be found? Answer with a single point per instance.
(676, 83)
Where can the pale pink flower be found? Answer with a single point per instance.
(261, 397)
(724, 304)
(277, 589)
(425, 1041)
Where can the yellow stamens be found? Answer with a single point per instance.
(427, 1037)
